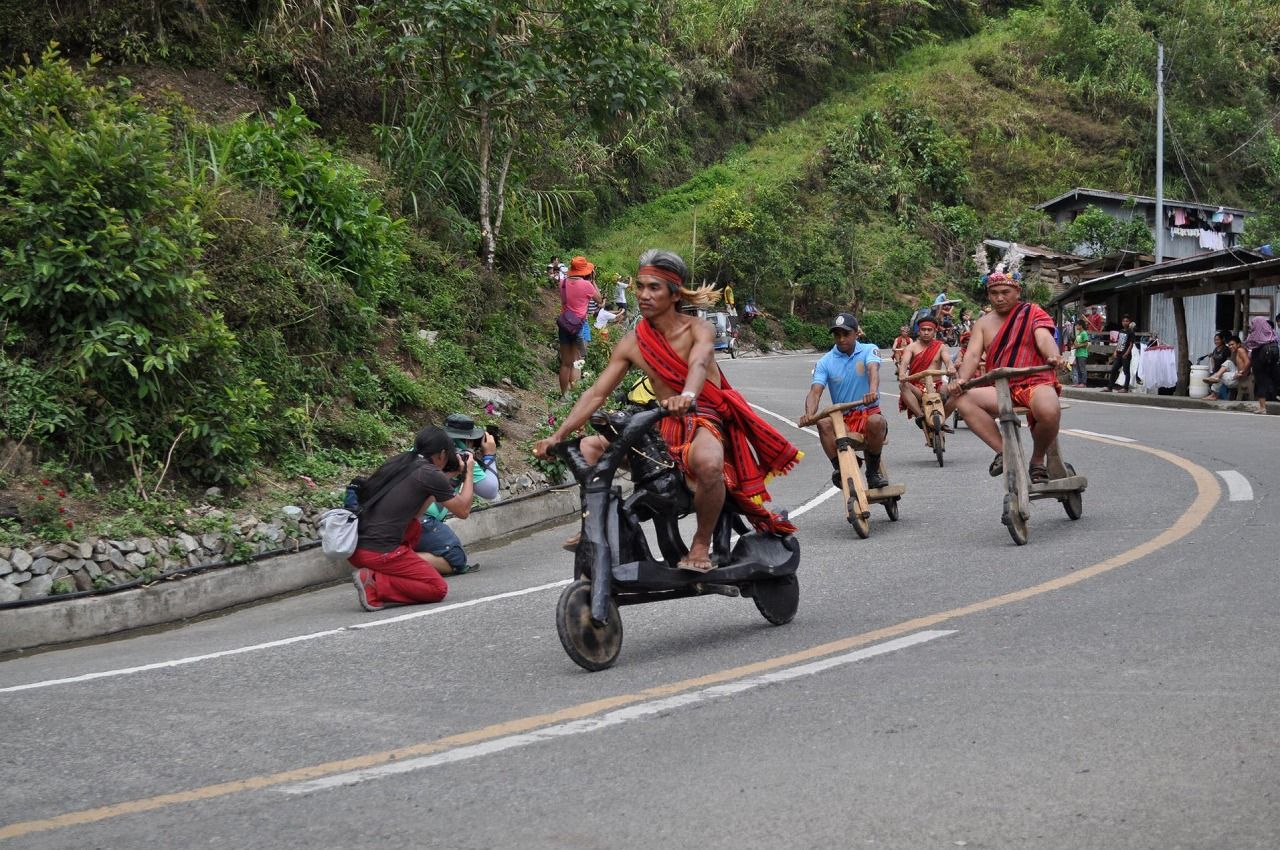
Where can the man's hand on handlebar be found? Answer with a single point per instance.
(870, 399)
(542, 448)
(678, 405)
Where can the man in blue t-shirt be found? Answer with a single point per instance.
(851, 372)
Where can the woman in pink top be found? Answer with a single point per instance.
(575, 292)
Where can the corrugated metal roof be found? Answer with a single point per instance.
(1140, 199)
(1183, 267)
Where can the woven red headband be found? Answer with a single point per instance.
(662, 274)
(927, 321)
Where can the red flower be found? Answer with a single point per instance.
(39, 498)
(45, 481)
(70, 523)
(61, 509)
(62, 494)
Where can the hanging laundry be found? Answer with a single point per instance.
(1180, 217)
(1217, 217)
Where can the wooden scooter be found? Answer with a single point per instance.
(857, 498)
(934, 414)
(1063, 484)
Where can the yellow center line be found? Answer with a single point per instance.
(1207, 494)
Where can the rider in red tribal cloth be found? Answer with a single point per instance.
(927, 352)
(1017, 334)
(722, 446)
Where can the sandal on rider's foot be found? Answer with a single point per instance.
(920, 422)
(947, 429)
(464, 569)
(996, 469)
(571, 545)
(695, 566)
(1038, 473)
(835, 480)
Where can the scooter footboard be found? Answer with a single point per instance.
(755, 557)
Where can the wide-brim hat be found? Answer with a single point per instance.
(462, 427)
(579, 267)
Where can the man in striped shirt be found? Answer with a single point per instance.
(1018, 334)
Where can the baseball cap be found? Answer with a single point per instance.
(844, 322)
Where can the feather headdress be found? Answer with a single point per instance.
(1006, 271)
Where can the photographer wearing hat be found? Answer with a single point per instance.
(438, 543)
(387, 567)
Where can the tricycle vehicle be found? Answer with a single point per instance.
(613, 565)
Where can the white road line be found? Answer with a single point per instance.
(1096, 434)
(180, 662)
(1238, 486)
(782, 418)
(604, 721)
(814, 502)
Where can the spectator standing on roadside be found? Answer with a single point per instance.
(387, 569)
(442, 548)
(1264, 360)
(729, 305)
(556, 271)
(1123, 355)
(576, 292)
(1079, 369)
(620, 286)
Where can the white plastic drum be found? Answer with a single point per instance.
(1198, 388)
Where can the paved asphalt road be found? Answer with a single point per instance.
(1113, 684)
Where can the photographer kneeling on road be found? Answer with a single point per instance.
(387, 569)
(438, 540)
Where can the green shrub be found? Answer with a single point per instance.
(881, 326)
(99, 242)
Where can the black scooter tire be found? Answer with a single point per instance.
(592, 646)
(777, 599)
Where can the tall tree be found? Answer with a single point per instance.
(507, 72)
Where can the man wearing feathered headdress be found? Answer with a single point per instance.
(722, 446)
(1016, 334)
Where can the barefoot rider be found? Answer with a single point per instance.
(722, 446)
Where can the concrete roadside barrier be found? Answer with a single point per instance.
(171, 600)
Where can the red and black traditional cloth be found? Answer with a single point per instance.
(921, 361)
(1014, 345)
(753, 450)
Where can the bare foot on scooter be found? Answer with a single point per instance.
(698, 560)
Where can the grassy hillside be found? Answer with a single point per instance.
(878, 195)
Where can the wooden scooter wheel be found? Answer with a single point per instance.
(592, 646)
(1013, 520)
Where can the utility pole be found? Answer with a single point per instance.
(1160, 222)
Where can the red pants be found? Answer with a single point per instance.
(401, 575)
(855, 419)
